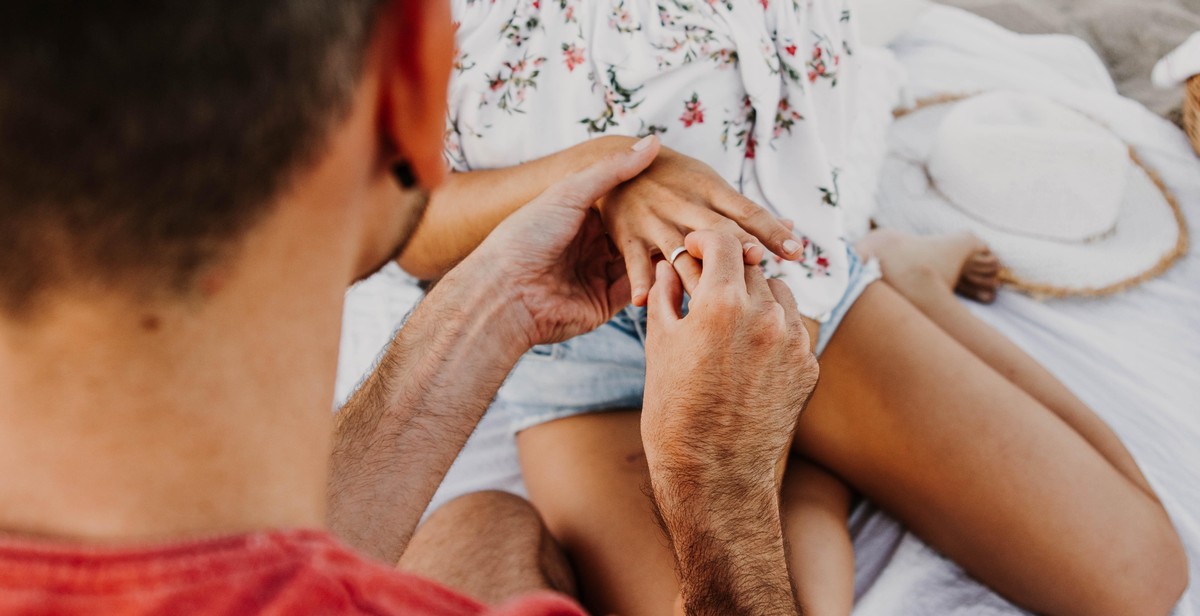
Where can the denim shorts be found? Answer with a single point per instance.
(606, 369)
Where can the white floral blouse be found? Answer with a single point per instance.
(757, 89)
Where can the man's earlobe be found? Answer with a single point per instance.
(404, 175)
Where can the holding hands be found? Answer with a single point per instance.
(724, 385)
(736, 370)
(553, 259)
(677, 194)
(724, 389)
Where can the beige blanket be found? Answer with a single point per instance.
(1130, 35)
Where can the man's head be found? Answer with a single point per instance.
(140, 142)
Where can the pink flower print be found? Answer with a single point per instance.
(785, 119)
(790, 49)
(573, 55)
(496, 84)
(819, 66)
(763, 3)
(822, 262)
(621, 20)
(693, 113)
(751, 145)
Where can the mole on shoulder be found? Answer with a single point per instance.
(151, 323)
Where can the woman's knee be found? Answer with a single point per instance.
(1159, 573)
(492, 544)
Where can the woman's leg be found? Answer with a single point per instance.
(916, 422)
(927, 270)
(816, 506)
(983, 471)
(491, 546)
(587, 476)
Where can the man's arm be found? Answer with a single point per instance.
(465, 209)
(727, 536)
(397, 436)
(724, 389)
(546, 274)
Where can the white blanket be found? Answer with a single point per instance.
(1134, 358)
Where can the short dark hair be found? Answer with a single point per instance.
(139, 139)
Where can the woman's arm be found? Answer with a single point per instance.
(469, 205)
(648, 215)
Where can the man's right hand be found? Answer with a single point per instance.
(735, 371)
(724, 389)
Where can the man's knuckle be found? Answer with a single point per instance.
(726, 299)
(726, 244)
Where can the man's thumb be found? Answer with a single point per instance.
(583, 188)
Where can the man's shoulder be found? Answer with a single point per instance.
(281, 572)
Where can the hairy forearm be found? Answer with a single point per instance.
(464, 210)
(398, 435)
(728, 542)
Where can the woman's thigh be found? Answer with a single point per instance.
(587, 476)
(979, 469)
(919, 425)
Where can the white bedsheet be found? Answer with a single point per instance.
(1134, 358)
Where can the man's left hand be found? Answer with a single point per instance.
(553, 258)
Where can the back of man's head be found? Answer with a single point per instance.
(139, 140)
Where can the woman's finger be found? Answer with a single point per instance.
(641, 271)
(709, 220)
(760, 223)
(667, 297)
(688, 268)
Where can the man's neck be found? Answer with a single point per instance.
(127, 424)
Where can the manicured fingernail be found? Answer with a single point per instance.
(748, 246)
(791, 246)
(639, 292)
(644, 143)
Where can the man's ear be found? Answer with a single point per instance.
(417, 53)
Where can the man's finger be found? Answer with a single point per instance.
(807, 329)
(582, 189)
(756, 284)
(783, 295)
(760, 223)
(722, 258)
(751, 245)
(666, 297)
(688, 269)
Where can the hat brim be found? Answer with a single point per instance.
(1149, 236)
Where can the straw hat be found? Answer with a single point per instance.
(1066, 205)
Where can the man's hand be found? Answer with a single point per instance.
(545, 275)
(678, 194)
(552, 256)
(724, 389)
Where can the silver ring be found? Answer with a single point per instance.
(675, 254)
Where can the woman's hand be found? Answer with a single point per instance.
(653, 212)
